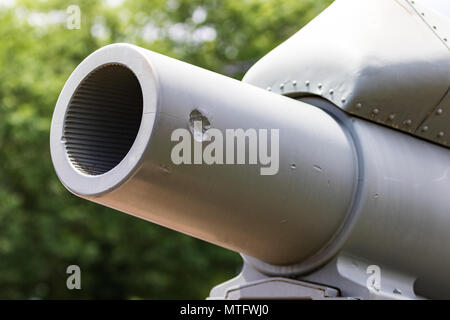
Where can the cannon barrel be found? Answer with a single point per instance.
(111, 143)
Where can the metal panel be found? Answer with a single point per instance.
(377, 59)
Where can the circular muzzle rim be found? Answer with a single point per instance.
(75, 180)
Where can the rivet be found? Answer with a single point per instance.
(307, 83)
(423, 13)
(343, 100)
(331, 91)
(294, 83)
(439, 111)
(445, 39)
(358, 106)
(441, 134)
(408, 122)
(391, 116)
(319, 86)
(425, 128)
(269, 89)
(282, 86)
(375, 111)
(434, 27)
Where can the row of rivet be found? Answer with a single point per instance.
(441, 133)
(438, 113)
(407, 122)
(434, 27)
(294, 84)
(375, 111)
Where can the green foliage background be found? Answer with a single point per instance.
(44, 228)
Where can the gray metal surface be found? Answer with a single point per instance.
(281, 219)
(383, 60)
(344, 277)
(403, 212)
(404, 218)
(402, 204)
(250, 284)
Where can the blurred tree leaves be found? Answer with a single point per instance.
(43, 228)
